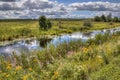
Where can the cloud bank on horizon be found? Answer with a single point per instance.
(56, 9)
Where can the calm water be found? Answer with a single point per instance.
(26, 46)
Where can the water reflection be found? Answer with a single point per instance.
(27, 46)
(43, 42)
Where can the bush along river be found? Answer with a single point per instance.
(28, 46)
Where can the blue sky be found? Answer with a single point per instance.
(58, 8)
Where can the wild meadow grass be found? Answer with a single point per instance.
(96, 59)
(10, 30)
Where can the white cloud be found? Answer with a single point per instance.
(32, 8)
(36, 8)
(96, 6)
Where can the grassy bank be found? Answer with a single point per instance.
(10, 30)
(97, 59)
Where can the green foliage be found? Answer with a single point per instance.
(25, 32)
(109, 72)
(109, 18)
(74, 60)
(44, 23)
(49, 24)
(100, 39)
(70, 71)
(103, 18)
(10, 30)
(115, 19)
(87, 24)
(97, 18)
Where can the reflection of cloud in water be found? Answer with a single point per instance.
(26, 46)
(77, 36)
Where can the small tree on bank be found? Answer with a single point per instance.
(44, 23)
(103, 18)
(97, 18)
(109, 17)
(115, 19)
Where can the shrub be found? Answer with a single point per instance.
(97, 18)
(44, 23)
(103, 18)
(110, 23)
(115, 19)
(87, 24)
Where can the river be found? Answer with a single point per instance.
(26, 46)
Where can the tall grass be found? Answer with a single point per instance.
(75, 60)
(10, 30)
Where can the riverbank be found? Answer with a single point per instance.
(11, 30)
(73, 61)
(52, 39)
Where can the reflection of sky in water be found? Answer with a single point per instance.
(31, 45)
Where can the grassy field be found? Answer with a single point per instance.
(96, 59)
(10, 30)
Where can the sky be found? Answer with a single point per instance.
(14, 9)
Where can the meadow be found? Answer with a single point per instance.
(96, 59)
(10, 30)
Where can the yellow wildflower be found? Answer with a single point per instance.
(84, 50)
(4, 73)
(30, 69)
(7, 75)
(8, 67)
(100, 59)
(25, 77)
(18, 68)
(55, 73)
(35, 60)
(14, 73)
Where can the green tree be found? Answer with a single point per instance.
(115, 19)
(109, 18)
(97, 18)
(49, 24)
(103, 18)
(44, 23)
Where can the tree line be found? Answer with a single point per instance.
(107, 18)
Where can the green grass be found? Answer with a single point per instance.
(97, 59)
(73, 61)
(109, 72)
(10, 30)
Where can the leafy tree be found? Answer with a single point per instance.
(49, 24)
(115, 19)
(119, 20)
(97, 18)
(109, 17)
(44, 23)
(103, 18)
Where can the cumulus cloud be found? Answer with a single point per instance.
(36, 8)
(32, 8)
(96, 6)
(8, 0)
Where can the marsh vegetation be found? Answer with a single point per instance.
(92, 59)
